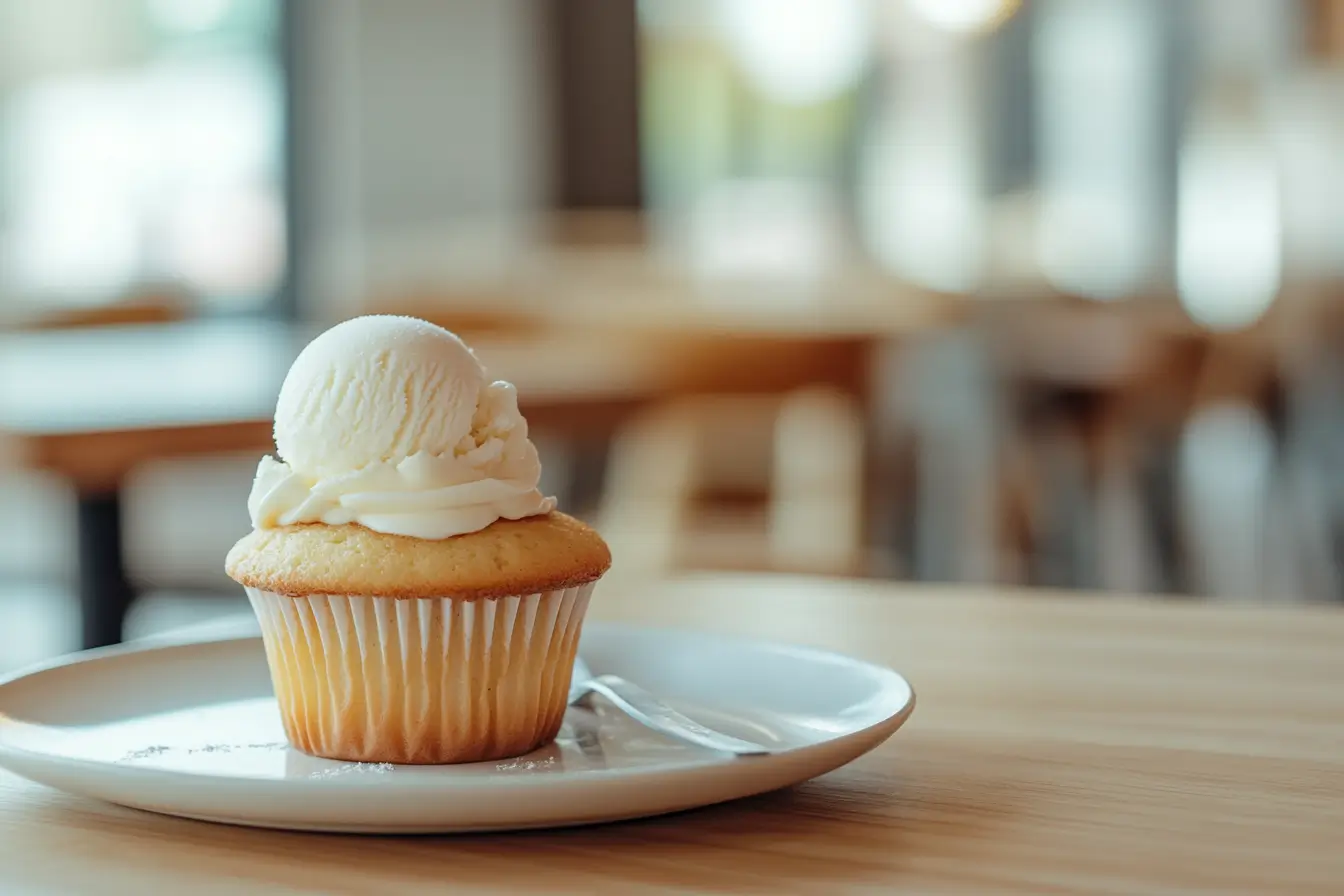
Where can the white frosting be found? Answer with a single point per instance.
(490, 474)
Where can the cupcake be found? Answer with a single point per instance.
(420, 600)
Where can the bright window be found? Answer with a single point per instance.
(141, 146)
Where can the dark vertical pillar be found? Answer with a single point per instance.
(104, 592)
(594, 50)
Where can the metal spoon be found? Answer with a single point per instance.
(648, 710)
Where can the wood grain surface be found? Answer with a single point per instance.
(1062, 744)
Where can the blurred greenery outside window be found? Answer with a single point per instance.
(779, 144)
(141, 147)
(1108, 149)
(747, 120)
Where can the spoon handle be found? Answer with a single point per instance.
(648, 710)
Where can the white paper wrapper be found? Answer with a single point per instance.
(429, 680)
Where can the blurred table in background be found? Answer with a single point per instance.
(1061, 743)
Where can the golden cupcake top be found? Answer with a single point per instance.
(539, 553)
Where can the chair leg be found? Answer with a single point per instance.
(650, 477)
(816, 492)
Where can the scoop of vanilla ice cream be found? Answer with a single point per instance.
(391, 423)
(376, 389)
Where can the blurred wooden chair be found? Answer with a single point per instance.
(1083, 398)
(1309, 361)
(1225, 471)
(749, 482)
(1142, 453)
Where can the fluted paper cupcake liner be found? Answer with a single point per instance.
(426, 681)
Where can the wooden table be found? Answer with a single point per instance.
(1062, 744)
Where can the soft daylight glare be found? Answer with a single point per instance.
(189, 15)
(1228, 253)
(809, 55)
(1098, 132)
(963, 16)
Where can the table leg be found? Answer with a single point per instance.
(105, 594)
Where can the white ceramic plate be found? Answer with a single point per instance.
(191, 729)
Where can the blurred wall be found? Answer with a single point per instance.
(413, 108)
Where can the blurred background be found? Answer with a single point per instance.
(1029, 292)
